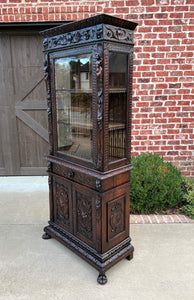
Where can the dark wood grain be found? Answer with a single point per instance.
(89, 200)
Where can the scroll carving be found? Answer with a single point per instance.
(99, 75)
(84, 215)
(100, 108)
(92, 33)
(119, 34)
(74, 37)
(98, 65)
(46, 77)
(49, 104)
(62, 204)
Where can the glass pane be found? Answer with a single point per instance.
(73, 84)
(117, 105)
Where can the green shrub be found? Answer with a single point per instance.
(155, 184)
(188, 188)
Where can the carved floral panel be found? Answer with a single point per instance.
(84, 215)
(116, 222)
(62, 204)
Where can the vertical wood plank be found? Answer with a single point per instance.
(21, 61)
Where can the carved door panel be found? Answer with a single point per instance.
(23, 117)
(115, 207)
(84, 214)
(62, 203)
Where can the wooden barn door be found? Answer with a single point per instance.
(23, 118)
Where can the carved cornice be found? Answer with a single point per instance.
(90, 34)
(89, 22)
(74, 37)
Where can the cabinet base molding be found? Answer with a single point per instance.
(100, 261)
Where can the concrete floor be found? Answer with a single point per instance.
(32, 268)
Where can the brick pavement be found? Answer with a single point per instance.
(159, 219)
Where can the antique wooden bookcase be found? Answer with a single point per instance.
(88, 70)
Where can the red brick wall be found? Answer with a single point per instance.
(163, 97)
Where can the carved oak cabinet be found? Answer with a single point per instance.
(88, 70)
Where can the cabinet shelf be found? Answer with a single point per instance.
(117, 90)
(77, 91)
(89, 126)
(80, 91)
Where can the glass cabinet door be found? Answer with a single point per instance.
(118, 63)
(73, 87)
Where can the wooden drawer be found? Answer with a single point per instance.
(90, 178)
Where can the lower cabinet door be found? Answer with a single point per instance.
(84, 214)
(78, 210)
(115, 217)
(62, 196)
(100, 220)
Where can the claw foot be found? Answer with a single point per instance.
(130, 256)
(45, 236)
(102, 279)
